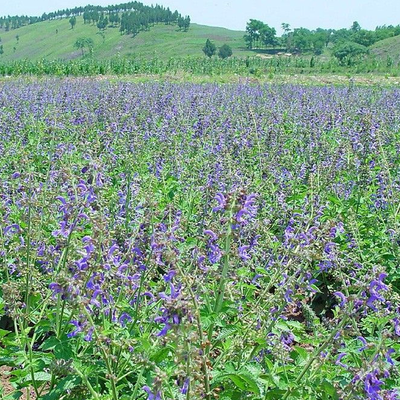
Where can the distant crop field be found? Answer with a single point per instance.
(198, 241)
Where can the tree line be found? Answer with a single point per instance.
(132, 17)
(301, 40)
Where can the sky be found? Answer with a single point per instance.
(234, 14)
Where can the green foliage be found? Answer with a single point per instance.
(259, 33)
(184, 23)
(102, 24)
(349, 52)
(224, 51)
(364, 37)
(72, 22)
(84, 43)
(209, 49)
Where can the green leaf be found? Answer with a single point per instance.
(62, 386)
(40, 377)
(13, 396)
(330, 390)
(251, 382)
(160, 355)
(275, 394)
(50, 343)
(3, 333)
(238, 381)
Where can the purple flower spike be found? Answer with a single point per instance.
(221, 202)
(342, 297)
(151, 395)
(372, 386)
(364, 342)
(124, 319)
(339, 358)
(185, 386)
(243, 253)
(210, 233)
(168, 277)
(388, 354)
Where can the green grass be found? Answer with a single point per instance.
(387, 48)
(41, 41)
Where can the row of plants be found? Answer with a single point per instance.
(197, 66)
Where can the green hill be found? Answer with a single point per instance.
(389, 47)
(55, 39)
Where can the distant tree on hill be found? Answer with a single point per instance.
(349, 52)
(186, 23)
(183, 23)
(1, 49)
(225, 51)
(253, 36)
(355, 27)
(209, 49)
(180, 22)
(285, 27)
(102, 24)
(364, 37)
(72, 22)
(268, 36)
(84, 43)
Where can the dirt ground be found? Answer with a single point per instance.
(8, 388)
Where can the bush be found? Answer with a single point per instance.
(225, 51)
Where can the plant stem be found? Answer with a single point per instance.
(317, 352)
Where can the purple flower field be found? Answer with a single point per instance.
(181, 241)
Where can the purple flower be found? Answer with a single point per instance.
(124, 318)
(89, 336)
(78, 328)
(221, 202)
(372, 386)
(339, 358)
(364, 342)
(248, 209)
(185, 386)
(388, 356)
(151, 395)
(243, 253)
(342, 297)
(209, 232)
(396, 323)
(12, 229)
(375, 287)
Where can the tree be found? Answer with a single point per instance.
(181, 22)
(1, 49)
(268, 36)
(253, 29)
(364, 37)
(83, 43)
(209, 49)
(72, 21)
(349, 52)
(285, 27)
(355, 27)
(302, 40)
(225, 51)
(102, 24)
(186, 23)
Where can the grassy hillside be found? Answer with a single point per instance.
(55, 39)
(387, 48)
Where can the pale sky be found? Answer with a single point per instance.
(234, 14)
